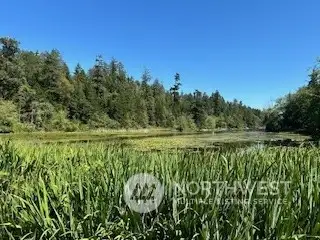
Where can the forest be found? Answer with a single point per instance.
(299, 111)
(38, 91)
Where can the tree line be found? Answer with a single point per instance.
(39, 92)
(299, 111)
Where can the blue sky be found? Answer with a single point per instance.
(252, 50)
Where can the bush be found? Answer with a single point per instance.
(221, 123)
(274, 122)
(25, 127)
(184, 123)
(9, 117)
(102, 121)
(210, 122)
(60, 122)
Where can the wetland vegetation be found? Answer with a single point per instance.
(75, 191)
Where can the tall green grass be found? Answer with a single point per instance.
(75, 191)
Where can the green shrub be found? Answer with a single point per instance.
(185, 123)
(221, 122)
(9, 117)
(25, 127)
(60, 122)
(102, 121)
(274, 122)
(210, 122)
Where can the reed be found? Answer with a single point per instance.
(75, 191)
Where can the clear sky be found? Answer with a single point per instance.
(252, 50)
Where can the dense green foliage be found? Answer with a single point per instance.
(48, 96)
(76, 192)
(299, 111)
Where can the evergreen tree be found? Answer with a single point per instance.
(79, 107)
(12, 76)
(176, 95)
(53, 79)
(147, 94)
(198, 111)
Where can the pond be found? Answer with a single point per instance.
(159, 140)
